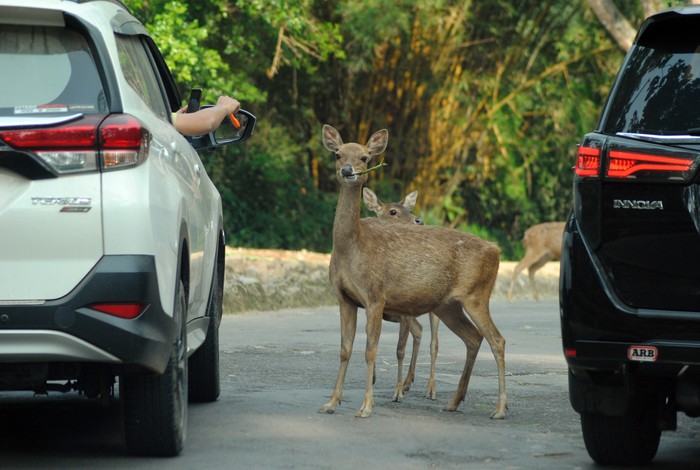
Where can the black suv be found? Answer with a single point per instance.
(630, 270)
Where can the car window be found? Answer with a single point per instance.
(47, 70)
(138, 70)
(659, 87)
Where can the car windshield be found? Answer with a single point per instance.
(658, 90)
(47, 71)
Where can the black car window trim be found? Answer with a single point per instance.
(100, 55)
(166, 78)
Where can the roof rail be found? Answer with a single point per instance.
(116, 2)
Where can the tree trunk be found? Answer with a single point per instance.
(617, 25)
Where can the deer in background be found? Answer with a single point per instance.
(542, 243)
(406, 270)
(400, 212)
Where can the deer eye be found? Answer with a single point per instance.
(364, 159)
(393, 212)
(337, 157)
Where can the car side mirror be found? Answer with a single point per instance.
(227, 133)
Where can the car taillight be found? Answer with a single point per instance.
(91, 142)
(625, 164)
(124, 142)
(587, 161)
(121, 310)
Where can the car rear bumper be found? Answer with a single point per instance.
(616, 353)
(66, 329)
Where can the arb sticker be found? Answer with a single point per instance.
(642, 353)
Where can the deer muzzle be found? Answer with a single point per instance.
(347, 171)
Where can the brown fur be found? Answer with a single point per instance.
(400, 213)
(409, 270)
(542, 244)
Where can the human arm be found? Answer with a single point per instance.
(205, 120)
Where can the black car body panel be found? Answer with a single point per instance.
(630, 266)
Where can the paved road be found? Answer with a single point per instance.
(278, 368)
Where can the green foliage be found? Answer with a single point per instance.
(184, 42)
(484, 101)
(269, 202)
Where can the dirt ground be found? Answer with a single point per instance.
(276, 279)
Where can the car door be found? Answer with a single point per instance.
(175, 195)
(202, 203)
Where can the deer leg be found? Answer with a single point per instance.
(478, 310)
(531, 273)
(348, 325)
(516, 271)
(417, 333)
(405, 324)
(374, 329)
(529, 258)
(455, 319)
(434, 323)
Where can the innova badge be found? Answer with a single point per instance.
(637, 204)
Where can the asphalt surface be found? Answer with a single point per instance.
(279, 368)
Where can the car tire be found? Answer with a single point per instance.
(154, 407)
(620, 440)
(204, 380)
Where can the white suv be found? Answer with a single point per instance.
(111, 232)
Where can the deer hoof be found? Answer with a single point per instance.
(327, 409)
(431, 393)
(500, 412)
(397, 397)
(363, 413)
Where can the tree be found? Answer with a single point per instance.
(484, 102)
(620, 27)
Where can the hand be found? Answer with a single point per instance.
(231, 105)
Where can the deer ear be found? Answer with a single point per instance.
(409, 201)
(371, 201)
(377, 143)
(331, 138)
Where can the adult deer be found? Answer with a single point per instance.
(406, 270)
(542, 243)
(400, 212)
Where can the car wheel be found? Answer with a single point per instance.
(154, 407)
(204, 380)
(620, 440)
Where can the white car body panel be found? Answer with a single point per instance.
(111, 231)
(148, 195)
(44, 253)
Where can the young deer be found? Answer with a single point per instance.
(400, 212)
(542, 243)
(406, 270)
